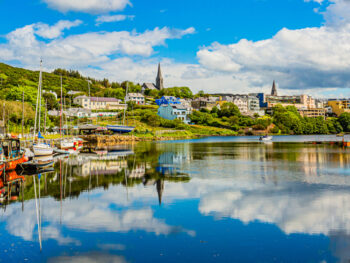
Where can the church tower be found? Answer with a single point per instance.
(274, 89)
(159, 79)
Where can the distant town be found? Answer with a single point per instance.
(171, 107)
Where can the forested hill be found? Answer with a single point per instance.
(14, 80)
(11, 77)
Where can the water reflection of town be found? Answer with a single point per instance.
(71, 176)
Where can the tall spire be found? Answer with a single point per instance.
(274, 89)
(159, 79)
(160, 189)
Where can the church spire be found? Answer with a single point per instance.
(160, 189)
(274, 89)
(159, 79)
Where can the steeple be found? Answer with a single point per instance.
(159, 79)
(160, 189)
(274, 89)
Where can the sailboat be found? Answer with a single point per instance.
(121, 128)
(40, 148)
(64, 144)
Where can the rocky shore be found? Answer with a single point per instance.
(111, 140)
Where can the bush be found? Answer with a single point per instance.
(259, 127)
(275, 130)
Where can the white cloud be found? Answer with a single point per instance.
(90, 257)
(56, 30)
(88, 6)
(89, 49)
(302, 61)
(112, 18)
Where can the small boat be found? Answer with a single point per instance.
(39, 149)
(42, 149)
(265, 138)
(66, 144)
(340, 135)
(11, 154)
(120, 128)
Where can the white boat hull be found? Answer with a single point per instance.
(42, 150)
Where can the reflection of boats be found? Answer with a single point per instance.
(10, 186)
(43, 162)
(37, 163)
(265, 138)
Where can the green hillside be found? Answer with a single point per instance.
(11, 77)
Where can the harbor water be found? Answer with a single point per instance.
(223, 199)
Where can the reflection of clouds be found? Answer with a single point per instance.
(311, 211)
(51, 232)
(94, 215)
(90, 257)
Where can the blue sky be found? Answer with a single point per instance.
(216, 46)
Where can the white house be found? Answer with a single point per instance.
(138, 98)
(241, 103)
(99, 103)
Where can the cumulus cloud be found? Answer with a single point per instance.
(299, 59)
(88, 6)
(56, 30)
(113, 18)
(87, 49)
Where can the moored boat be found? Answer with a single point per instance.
(11, 154)
(265, 138)
(120, 128)
(42, 149)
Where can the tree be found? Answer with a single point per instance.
(344, 120)
(51, 101)
(229, 109)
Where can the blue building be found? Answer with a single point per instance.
(261, 97)
(174, 111)
(167, 100)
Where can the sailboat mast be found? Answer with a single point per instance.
(61, 110)
(37, 102)
(22, 112)
(40, 87)
(126, 95)
(45, 116)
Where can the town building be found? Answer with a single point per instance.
(159, 82)
(254, 106)
(261, 97)
(242, 103)
(167, 100)
(174, 111)
(339, 106)
(99, 103)
(313, 113)
(204, 103)
(187, 104)
(299, 101)
(137, 98)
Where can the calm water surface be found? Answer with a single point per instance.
(210, 200)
